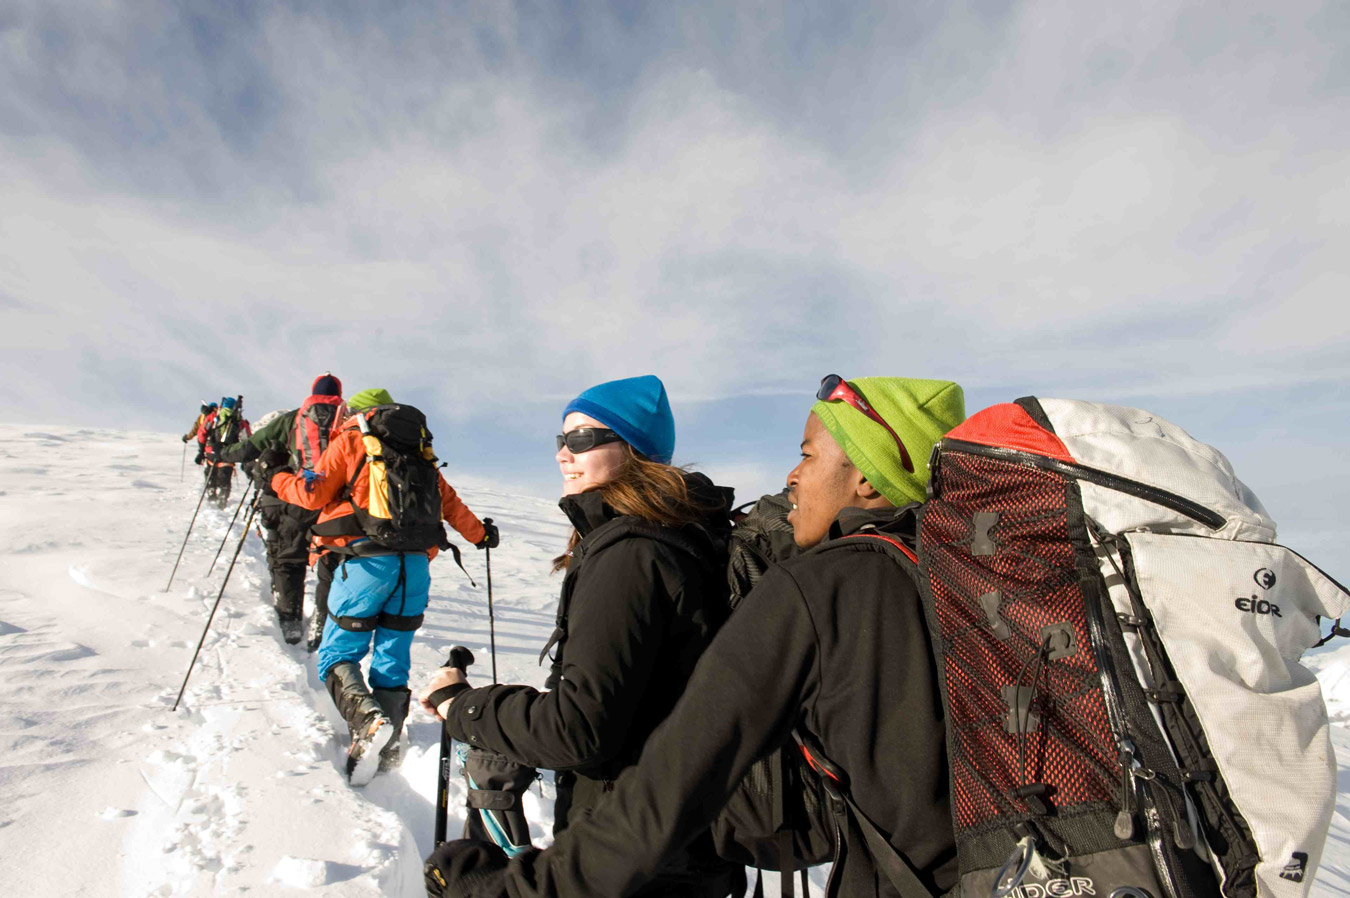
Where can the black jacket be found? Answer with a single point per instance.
(272, 444)
(639, 605)
(832, 642)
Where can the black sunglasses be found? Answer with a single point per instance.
(584, 439)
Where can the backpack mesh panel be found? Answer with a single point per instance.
(1033, 566)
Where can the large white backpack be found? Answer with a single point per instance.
(1120, 641)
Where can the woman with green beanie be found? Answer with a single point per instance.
(643, 593)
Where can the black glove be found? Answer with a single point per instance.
(201, 455)
(491, 538)
(466, 868)
(269, 464)
(186, 437)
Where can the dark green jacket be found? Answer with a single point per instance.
(275, 436)
(273, 440)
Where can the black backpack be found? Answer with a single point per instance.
(225, 430)
(761, 538)
(779, 817)
(403, 513)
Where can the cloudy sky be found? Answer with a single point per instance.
(488, 207)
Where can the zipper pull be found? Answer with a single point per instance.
(1182, 837)
(1125, 824)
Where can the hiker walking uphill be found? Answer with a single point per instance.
(222, 427)
(382, 501)
(644, 592)
(206, 409)
(831, 644)
(294, 440)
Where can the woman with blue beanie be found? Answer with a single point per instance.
(644, 592)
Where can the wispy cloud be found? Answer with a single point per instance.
(495, 201)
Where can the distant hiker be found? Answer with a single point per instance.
(383, 501)
(221, 427)
(644, 592)
(294, 440)
(207, 408)
(832, 643)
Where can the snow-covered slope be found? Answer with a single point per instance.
(105, 791)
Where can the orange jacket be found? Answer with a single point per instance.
(345, 451)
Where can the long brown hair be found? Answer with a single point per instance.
(649, 490)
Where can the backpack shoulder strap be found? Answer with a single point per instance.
(851, 822)
(625, 528)
(886, 538)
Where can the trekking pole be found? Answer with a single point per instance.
(212, 616)
(224, 539)
(492, 621)
(182, 469)
(460, 658)
(205, 485)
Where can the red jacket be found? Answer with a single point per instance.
(345, 451)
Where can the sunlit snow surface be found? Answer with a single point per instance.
(105, 791)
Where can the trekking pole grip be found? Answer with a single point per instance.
(460, 658)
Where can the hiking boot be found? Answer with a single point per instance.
(395, 703)
(363, 758)
(292, 630)
(320, 616)
(292, 627)
(370, 729)
(391, 758)
(314, 634)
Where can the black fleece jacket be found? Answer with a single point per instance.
(639, 605)
(832, 642)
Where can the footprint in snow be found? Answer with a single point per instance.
(305, 873)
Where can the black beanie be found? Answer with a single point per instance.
(326, 385)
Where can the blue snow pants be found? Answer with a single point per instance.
(364, 587)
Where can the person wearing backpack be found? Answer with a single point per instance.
(223, 426)
(831, 646)
(382, 501)
(206, 409)
(293, 439)
(644, 592)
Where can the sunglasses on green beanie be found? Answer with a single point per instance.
(834, 388)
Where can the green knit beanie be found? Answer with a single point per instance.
(920, 412)
(369, 399)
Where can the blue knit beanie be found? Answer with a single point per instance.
(636, 408)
